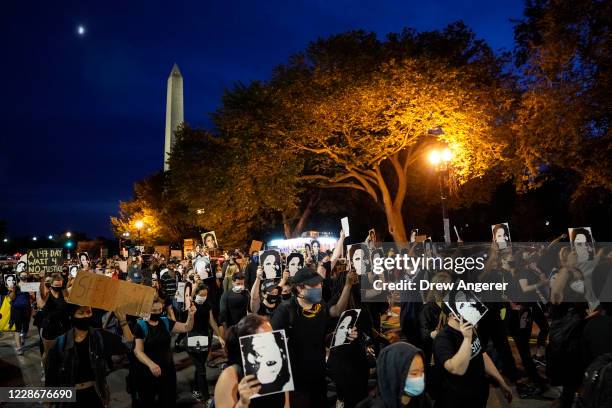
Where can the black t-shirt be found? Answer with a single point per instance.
(84, 370)
(233, 307)
(157, 342)
(532, 278)
(306, 340)
(596, 338)
(473, 382)
(201, 322)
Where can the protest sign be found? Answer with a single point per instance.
(501, 234)
(210, 240)
(188, 247)
(255, 246)
(102, 292)
(47, 260)
(176, 253)
(29, 286)
(163, 250)
(180, 292)
(345, 226)
(347, 322)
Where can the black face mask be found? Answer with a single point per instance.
(81, 323)
(273, 299)
(155, 317)
(56, 288)
(23, 278)
(47, 285)
(286, 296)
(327, 266)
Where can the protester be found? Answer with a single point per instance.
(78, 358)
(270, 298)
(234, 303)
(56, 316)
(463, 365)
(21, 312)
(305, 319)
(233, 388)
(204, 322)
(400, 370)
(156, 373)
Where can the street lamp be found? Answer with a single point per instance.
(34, 238)
(5, 240)
(440, 160)
(139, 224)
(50, 237)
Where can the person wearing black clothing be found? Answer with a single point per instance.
(270, 298)
(401, 379)
(305, 320)
(348, 363)
(532, 282)
(235, 303)
(78, 358)
(156, 373)
(462, 366)
(56, 316)
(203, 322)
(250, 272)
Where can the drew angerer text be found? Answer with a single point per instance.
(441, 286)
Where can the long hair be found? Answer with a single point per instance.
(246, 326)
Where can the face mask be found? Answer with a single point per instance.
(73, 273)
(81, 323)
(273, 299)
(414, 386)
(577, 286)
(56, 288)
(238, 288)
(255, 258)
(200, 299)
(191, 278)
(47, 284)
(313, 295)
(327, 266)
(286, 296)
(155, 317)
(23, 278)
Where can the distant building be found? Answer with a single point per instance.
(174, 110)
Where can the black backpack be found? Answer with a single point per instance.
(597, 383)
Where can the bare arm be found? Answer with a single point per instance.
(458, 364)
(337, 250)
(140, 354)
(255, 293)
(337, 309)
(188, 325)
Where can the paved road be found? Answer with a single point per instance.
(25, 371)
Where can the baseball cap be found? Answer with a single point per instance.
(306, 276)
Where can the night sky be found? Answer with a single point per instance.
(83, 116)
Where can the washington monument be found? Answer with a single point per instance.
(174, 110)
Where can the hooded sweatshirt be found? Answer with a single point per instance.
(392, 368)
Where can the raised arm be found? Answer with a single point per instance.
(254, 303)
(337, 249)
(337, 309)
(188, 325)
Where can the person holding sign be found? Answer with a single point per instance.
(234, 389)
(78, 358)
(463, 365)
(21, 312)
(56, 317)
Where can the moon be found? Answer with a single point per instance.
(81, 30)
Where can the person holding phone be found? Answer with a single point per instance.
(463, 366)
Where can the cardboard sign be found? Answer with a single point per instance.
(163, 250)
(47, 260)
(420, 238)
(102, 292)
(29, 286)
(176, 253)
(188, 247)
(255, 246)
(345, 226)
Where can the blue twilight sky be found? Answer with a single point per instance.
(83, 116)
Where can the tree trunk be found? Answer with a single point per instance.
(395, 220)
(299, 227)
(286, 226)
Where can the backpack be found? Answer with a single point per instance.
(597, 384)
(145, 328)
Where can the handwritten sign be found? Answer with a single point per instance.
(29, 286)
(47, 260)
(102, 292)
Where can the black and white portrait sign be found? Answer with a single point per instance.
(295, 262)
(266, 356)
(210, 240)
(347, 322)
(10, 280)
(201, 266)
(583, 243)
(270, 261)
(464, 304)
(501, 235)
(359, 258)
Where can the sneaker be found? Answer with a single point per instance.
(197, 396)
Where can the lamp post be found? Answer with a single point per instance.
(440, 159)
(139, 224)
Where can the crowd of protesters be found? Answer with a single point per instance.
(438, 359)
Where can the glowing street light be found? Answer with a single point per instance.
(139, 224)
(50, 237)
(34, 238)
(440, 159)
(68, 234)
(5, 240)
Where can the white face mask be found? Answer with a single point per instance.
(577, 286)
(200, 299)
(238, 288)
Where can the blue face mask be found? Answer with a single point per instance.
(414, 386)
(313, 295)
(255, 258)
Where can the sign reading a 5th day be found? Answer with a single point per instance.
(47, 260)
